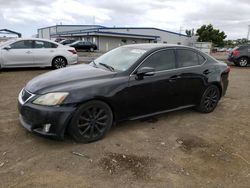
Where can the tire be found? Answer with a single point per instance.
(59, 62)
(243, 61)
(91, 122)
(209, 99)
(91, 49)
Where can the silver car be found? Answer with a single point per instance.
(36, 53)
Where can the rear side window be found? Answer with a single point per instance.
(187, 58)
(201, 59)
(44, 44)
(243, 47)
(162, 60)
(23, 44)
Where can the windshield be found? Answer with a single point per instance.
(120, 59)
(7, 42)
(75, 42)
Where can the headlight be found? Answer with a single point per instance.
(51, 99)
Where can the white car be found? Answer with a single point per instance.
(36, 53)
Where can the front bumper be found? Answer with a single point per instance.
(232, 59)
(35, 117)
(73, 59)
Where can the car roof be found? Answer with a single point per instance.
(151, 46)
(46, 40)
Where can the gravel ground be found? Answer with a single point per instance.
(88, 56)
(179, 149)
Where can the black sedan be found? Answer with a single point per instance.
(83, 45)
(127, 83)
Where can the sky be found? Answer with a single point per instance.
(26, 16)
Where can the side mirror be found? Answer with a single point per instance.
(145, 71)
(7, 48)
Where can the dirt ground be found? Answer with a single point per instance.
(179, 149)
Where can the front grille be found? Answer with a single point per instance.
(25, 95)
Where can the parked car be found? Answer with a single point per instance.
(229, 49)
(84, 45)
(221, 50)
(240, 55)
(67, 41)
(36, 53)
(59, 40)
(127, 83)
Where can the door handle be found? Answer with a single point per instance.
(174, 78)
(52, 51)
(206, 72)
(28, 52)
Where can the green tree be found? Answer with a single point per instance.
(241, 41)
(229, 43)
(207, 33)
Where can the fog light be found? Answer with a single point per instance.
(46, 127)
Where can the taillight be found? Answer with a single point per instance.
(72, 51)
(235, 52)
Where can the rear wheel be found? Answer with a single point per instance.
(91, 49)
(91, 122)
(243, 61)
(59, 62)
(209, 100)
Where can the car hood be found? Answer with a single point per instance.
(67, 79)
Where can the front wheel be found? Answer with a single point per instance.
(209, 100)
(59, 62)
(91, 122)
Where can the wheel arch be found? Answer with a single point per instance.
(104, 100)
(53, 59)
(243, 56)
(217, 84)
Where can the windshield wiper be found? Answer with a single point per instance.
(107, 66)
(95, 65)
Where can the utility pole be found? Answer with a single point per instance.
(181, 29)
(248, 32)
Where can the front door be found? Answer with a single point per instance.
(158, 92)
(192, 75)
(19, 55)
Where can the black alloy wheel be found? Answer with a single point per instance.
(59, 62)
(91, 122)
(209, 99)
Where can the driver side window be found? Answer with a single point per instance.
(160, 61)
(23, 44)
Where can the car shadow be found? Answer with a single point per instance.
(115, 129)
(25, 69)
(238, 67)
(151, 121)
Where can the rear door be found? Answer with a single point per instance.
(158, 92)
(80, 46)
(88, 45)
(192, 75)
(43, 52)
(20, 54)
(85, 45)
